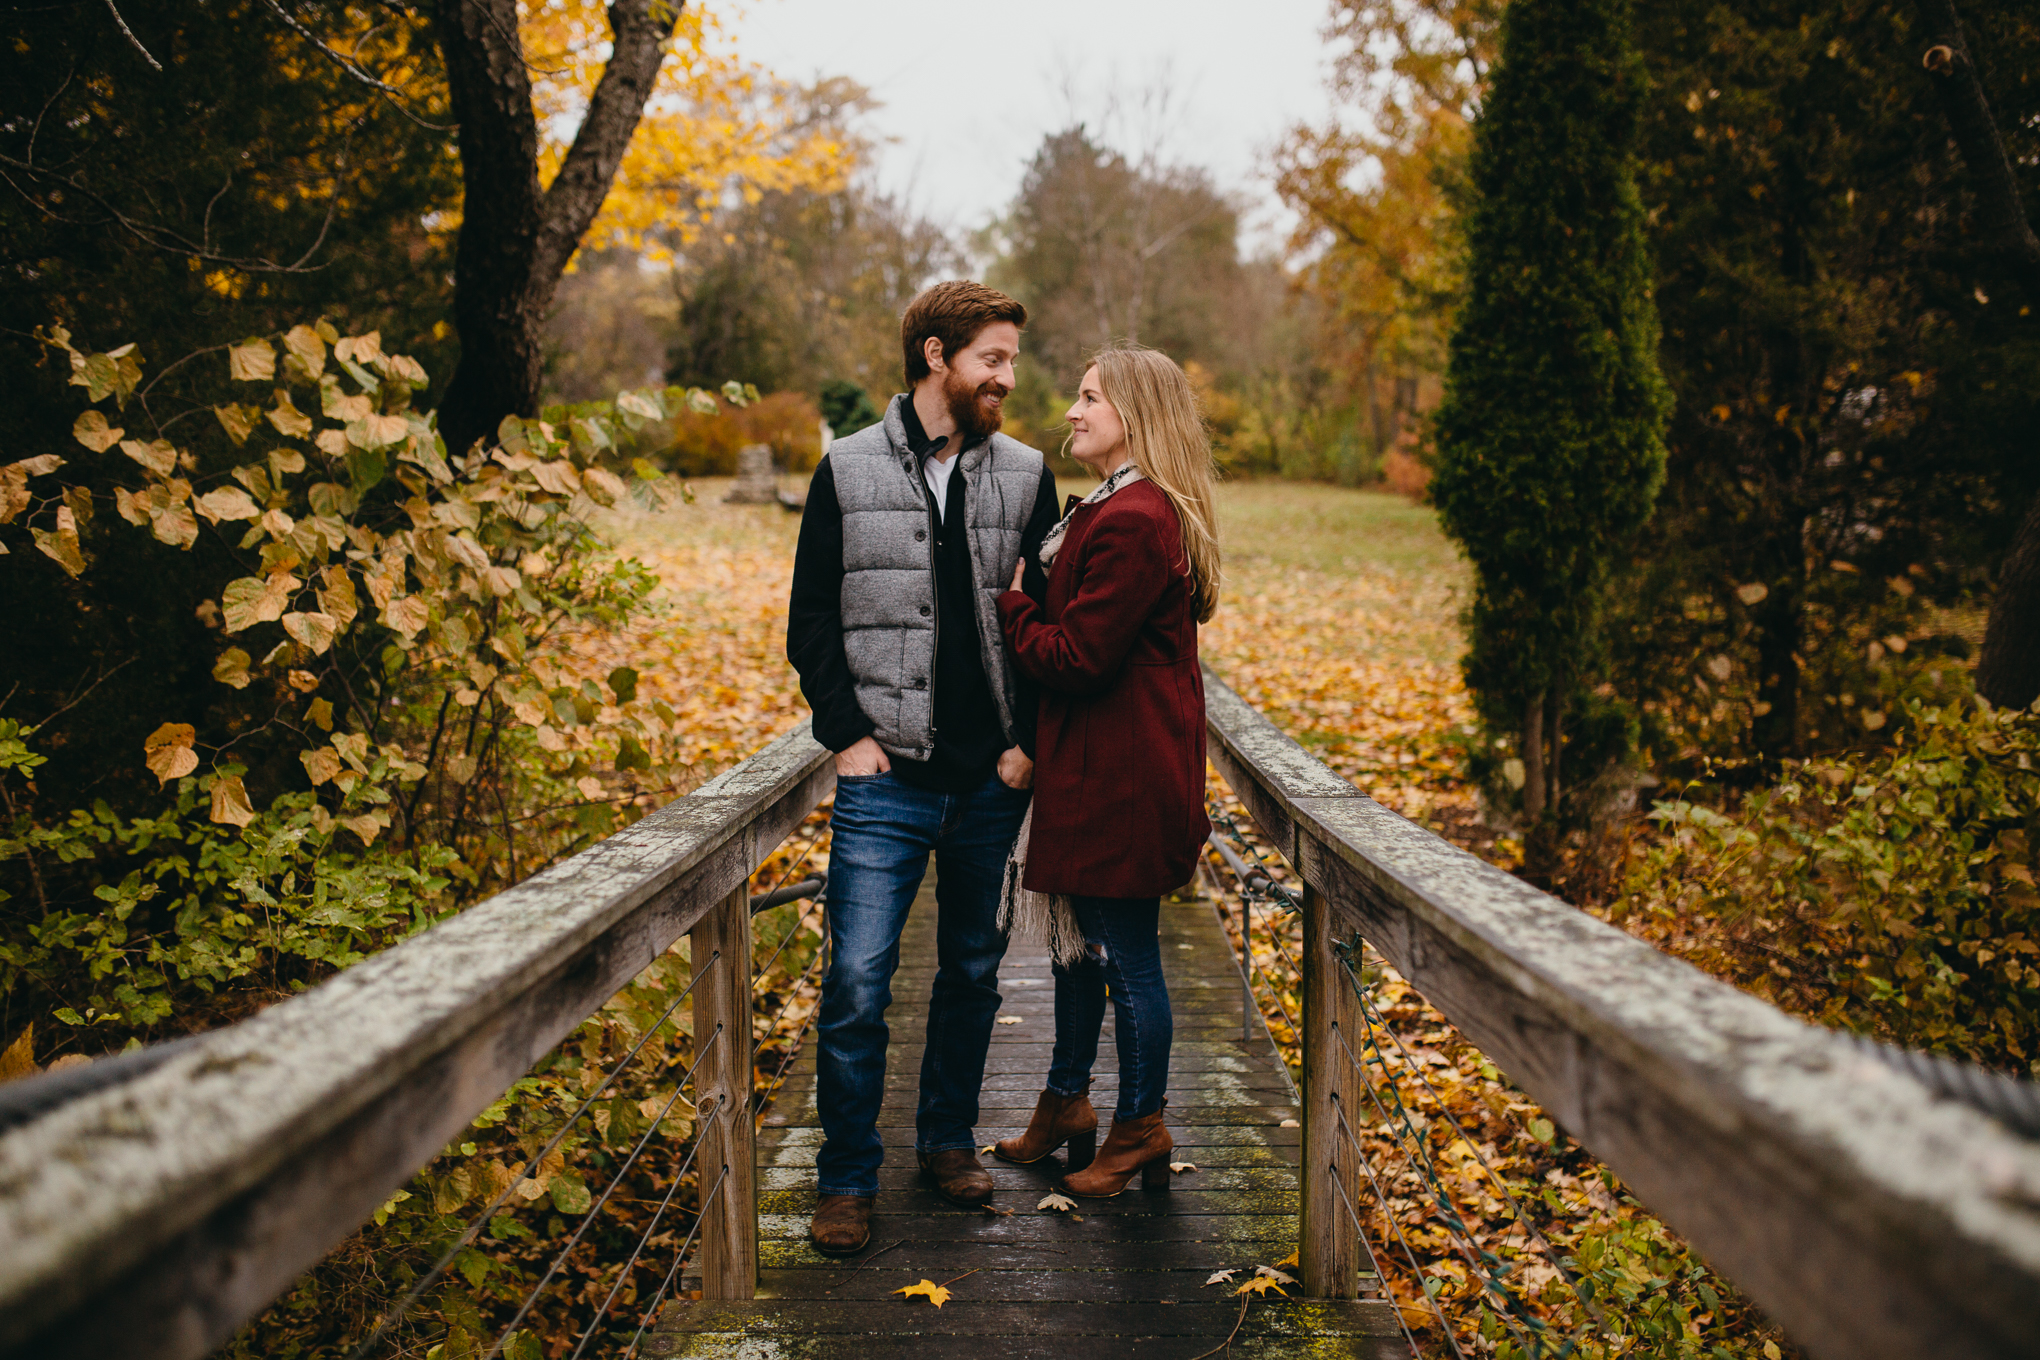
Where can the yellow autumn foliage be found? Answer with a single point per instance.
(713, 120)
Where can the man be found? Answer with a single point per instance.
(911, 532)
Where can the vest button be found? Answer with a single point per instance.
(920, 535)
(926, 611)
(920, 682)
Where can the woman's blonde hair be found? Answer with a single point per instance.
(1165, 435)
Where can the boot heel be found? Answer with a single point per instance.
(1156, 1175)
(1082, 1148)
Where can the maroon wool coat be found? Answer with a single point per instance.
(1119, 754)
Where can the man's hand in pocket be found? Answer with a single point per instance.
(1016, 770)
(868, 757)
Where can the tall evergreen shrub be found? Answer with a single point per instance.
(1549, 441)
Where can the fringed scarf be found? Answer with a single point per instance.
(1047, 918)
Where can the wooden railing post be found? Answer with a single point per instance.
(722, 1086)
(1329, 1243)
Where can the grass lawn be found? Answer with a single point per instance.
(1339, 620)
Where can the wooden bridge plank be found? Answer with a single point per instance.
(1116, 1257)
(1073, 1318)
(1123, 1276)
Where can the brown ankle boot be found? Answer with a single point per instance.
(842, 1224)
(1057, 1120)
(958, 1177)
(1134, 1146)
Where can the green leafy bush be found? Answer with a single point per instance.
(398, 727)
(393, 732)
(1890, 893)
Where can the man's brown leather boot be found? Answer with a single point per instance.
(958, 1177)
(842, 1224)
(1134, 1147)
(1057, 1120)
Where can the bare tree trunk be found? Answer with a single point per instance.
(1554, 721)
(2008, 672)
(1533, 758)
(1374, 415)
(514, 240)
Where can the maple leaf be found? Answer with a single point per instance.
(1271, 1273)
(1221, 1277)
(1294, 1258)
(927, 1289)
(1058, 1203)
(1261, 1284)
(1009, 1019)
(987, 1149)
(1180, 1167)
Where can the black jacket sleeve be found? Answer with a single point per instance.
(1034, 581)
(814, 620)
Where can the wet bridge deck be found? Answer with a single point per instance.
(1120, 1277)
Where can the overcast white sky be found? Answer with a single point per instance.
(971, 88)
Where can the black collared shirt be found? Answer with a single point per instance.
(968, 735)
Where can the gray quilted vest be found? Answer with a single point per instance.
(889, 617)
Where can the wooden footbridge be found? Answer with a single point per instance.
(1124, 1276)
(151, 1204)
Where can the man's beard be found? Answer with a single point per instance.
(975, 421)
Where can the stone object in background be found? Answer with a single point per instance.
(757, 483)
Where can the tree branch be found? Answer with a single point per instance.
(129, 34)
(639, 29)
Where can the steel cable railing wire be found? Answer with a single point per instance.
(1409, 1168)
(1375, 1019)
(771, 1088)
(1416, 1163)
(1275, 940)
(1275, 889)
(794, 867)
(701, 1051)
(645, 1238)
(1250, 892)
(1248, 896)
(468, 1234)
(1331, 1171)
(2009, 1100)
(1381, 1197)
(765, 968)
(700, 1217)
(1252, 966)
(1360, 1231)
(1416, 1155)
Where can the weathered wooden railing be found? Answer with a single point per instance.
(1866, 1215)
(153, 1216)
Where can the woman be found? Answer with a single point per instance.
(1118, 815)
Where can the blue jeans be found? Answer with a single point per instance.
(1126, 963)
(882, 833)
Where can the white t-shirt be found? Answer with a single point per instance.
(937, 471)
